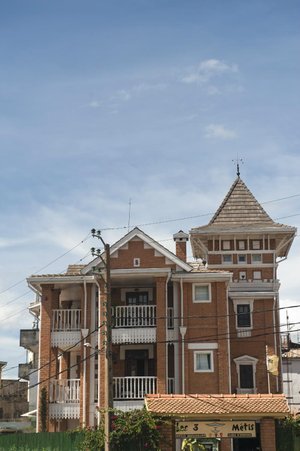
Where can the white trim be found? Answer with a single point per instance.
(200, 301)
(246, 360)
(206, 346)
(211, 369)
(136, 233)
(240, 301)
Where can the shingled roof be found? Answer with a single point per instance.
(240, 210)
(212, 406)
(240, 207)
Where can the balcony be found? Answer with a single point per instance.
(134, 324)
(66, 325)
(256, 285)
(64, 391)
(134, 316)
(64, 398)
(133, 388)
(29, 339)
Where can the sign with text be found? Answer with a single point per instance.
(209, 429)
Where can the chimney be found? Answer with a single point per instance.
(181, 239)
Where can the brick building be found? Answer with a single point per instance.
(204, 327)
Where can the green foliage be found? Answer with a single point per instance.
(43, 409)
(192, 444)
(134, 430)
(291, 423)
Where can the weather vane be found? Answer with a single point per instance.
(237, 161)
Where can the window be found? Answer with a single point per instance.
(241, 245)
(203, 362)
(242, 275)
(246, 376)
(242, 258)
(256, 258)
(227, 258)
(246, 371)
(226, 245)
(137, 298)
(243, 309)
(243, 315)
(257, 275)
(201, 293)
(255, 244)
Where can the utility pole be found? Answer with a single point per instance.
(108, 341)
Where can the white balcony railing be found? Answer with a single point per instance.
(64, 391)
(66, 320)
(133, 387)
(246, 391)
(134, 316)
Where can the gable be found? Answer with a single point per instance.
(138, 250)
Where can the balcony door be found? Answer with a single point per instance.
(136, 363)
(137, 298)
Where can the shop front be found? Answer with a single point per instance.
(220, 422)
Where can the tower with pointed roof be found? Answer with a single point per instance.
(243, 239)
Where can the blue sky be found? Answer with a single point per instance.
(106, 101)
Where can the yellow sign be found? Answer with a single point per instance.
(209, 429)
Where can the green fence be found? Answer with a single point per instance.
(44, 441)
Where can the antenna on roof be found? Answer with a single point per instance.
(237, 161)
(129, 215)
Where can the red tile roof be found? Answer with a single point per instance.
(219, 405)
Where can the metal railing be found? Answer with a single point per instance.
(64, 391)
(66, 320)
(133, 387)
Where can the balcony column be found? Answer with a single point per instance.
(47, 362)
(161, 357)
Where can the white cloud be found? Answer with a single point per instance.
(209, 69)
(94, 104)
(220, 132)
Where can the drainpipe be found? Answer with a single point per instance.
(182, 332)
(166, 326)
(228, 341)
(276, 316)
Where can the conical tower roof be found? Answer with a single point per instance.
(240, 207)
(241, 214)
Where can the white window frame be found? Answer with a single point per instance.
(256, 275)
(243, 329)
(241, 245)
(196, 301)
(242, 275)
(246, 360)
(204, 352)
(256, 245)
(223, 258)
(226, 245)
(242, 262)
(257, 261)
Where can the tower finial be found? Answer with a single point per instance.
(237, 162)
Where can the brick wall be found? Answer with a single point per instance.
(267, 434)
